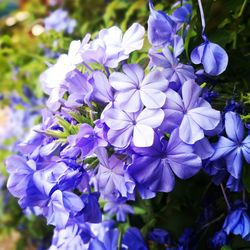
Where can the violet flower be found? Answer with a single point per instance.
(118, 208)
(112, 47)
(192, 114)
(237, 222)
(110, 175)
(133, 239)
(138, 128)
(86, 140)
(161, 27)
(134, 89)
(174, 71)
(59, 21)
(233, 147)
(153, 168)
(213, 58)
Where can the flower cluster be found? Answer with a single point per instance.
(60, 21)
(113, 128)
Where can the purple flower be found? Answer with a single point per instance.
(79, 89)
(91, 211)
(182, 14)
(21, 174)
(159, 235)
(237, 222)
(193, 114)
(153, 168)
(56, 175)
(59, 21)
(86, 140)
(132, 127)
(110, 176)
(135, 90)
(102, 89)
(232, 105)
(203, 148)
(53, 80)
(112, 47)
(71, 237)
(233, 147)
(160, 27)
(133, 239)
(118, 208)
(234, 185)
(61, 206)
(213, 58)
(174, 71)
(108, 242)
(219, 240)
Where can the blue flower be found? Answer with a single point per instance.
(183, 13)
(133, 239)
(219, 239)
(237, 222)
(233, 147)
(59, 21)
(108, 242)
(213, 58)
(119, 208)
(159, 235)
(153, 168)
(160, 27)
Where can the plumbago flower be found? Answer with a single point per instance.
(112, 130)
(190, 112)
(60, 21)
(233, 147)
(153, 168)
(136, 128)
(237, 222)
(213, 58)
(134, 90)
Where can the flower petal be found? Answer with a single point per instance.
(223, 147)
(190, 94)
(116, 119)
(234, 126)
(151, 117)
(121, 82)
(129, 100)
(190, 131)
(206, 118)
(133, 38)
(155, 80)
(143, 136)
(120, 138)
(234, 163)
(246, 148)
(152, 98)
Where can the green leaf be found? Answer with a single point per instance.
(139, 210)
(57, 133)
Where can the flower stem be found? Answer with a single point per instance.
(225, 197)
(213, 221)
(87, 66)
(203, 23)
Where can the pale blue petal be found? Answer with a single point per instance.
(234, 126)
